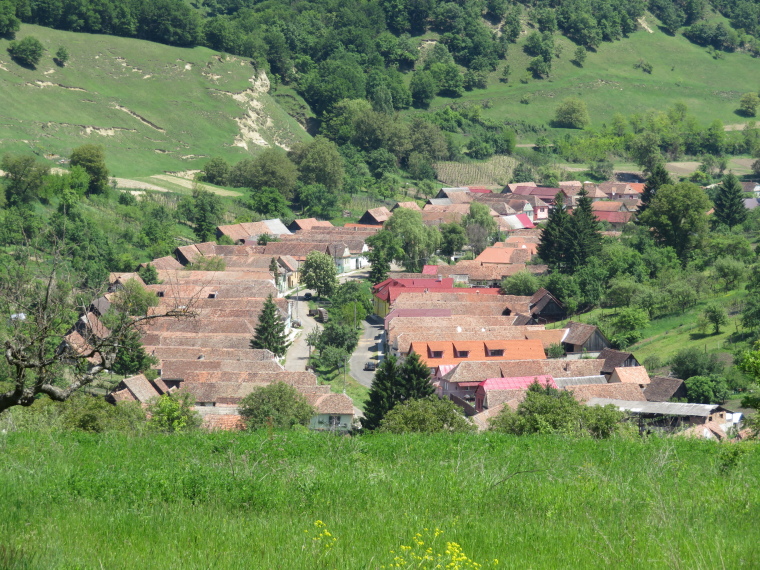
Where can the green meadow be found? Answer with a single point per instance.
(609, 83)
(153, 107)
(235, 500)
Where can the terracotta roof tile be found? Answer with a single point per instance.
(630, 375)
(585, 392)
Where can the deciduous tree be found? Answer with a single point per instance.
(27, 51)
(278, 405)
(92, 158)
(678, 216)
(318, 272)
(426, 415)
(572, 114)
(24, 178)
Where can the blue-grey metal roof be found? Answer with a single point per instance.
(579, 381)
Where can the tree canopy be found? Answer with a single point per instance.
(278, 405)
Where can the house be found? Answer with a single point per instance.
(167, 262)
(306, 224)
(708, 430)
(609, 206)
(252, 230)
(448, 378)
(116, 281)
(511, 188)
(515, 222)
(751, 187)
(386, 292)
(616, 219)
(616, 359)
(335, 412)
(495, 391)
(503, 255)
(567, 383)
(134, 389)
(586, 392)
(666, 415)
(407, 205)
(482, 419)
(437, 353)
(665, 389)
(375, 216)
(546, 307)
(583, 338)
(630, 375)
(546, 194)
(414, 313)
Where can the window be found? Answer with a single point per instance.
(499, 352)
(436, 354)
(160, 293)
(334, 421)
(463, 353)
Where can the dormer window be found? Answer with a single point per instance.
(498, 352)
(436, 354)
(463, 353)
(160, 293)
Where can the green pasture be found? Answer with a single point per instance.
(232, 500)
(609, 83)
(181, 100)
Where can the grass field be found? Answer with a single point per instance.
(609, 84)
(226, 500)
(155, 108)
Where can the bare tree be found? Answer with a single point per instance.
(40, 304)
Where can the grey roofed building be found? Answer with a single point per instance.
(616, 359)
(751, 203)
(579, 381)
(439, 201)
(659, 408)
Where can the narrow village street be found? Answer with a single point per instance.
(297, 356)
(369, 349)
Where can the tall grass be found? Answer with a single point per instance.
(231, 500)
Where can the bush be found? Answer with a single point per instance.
(706, 389)
(27, 51)
(277, 405)
(173, 413)
(691, 362)
(571, 114)
(547, 410)
(426, 415)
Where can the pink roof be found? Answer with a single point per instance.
(517, 383)
(479, 190)
(430, 270)
(444, 369)
(525, 221)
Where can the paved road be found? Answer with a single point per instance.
(369, 348)
(298, 354)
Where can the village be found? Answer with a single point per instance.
(483, 348)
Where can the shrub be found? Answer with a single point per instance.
(571, 114)
(426, 415)
(173, 413)
(278, 405)
(27, 51)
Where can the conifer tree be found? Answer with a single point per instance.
(659, 177)
(553, 244)
(270, 332)
(583, 237)
(415, 378)
(729, 204)
(273, 269)
(384, 393)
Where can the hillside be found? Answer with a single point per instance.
(226, 500)
(609, 83)
(154, 107)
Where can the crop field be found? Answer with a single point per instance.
(609, 83)
(154, 108)
(496, 171)
(309, 500)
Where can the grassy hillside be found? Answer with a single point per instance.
(155, 108)
(227, 500)
(609, 84)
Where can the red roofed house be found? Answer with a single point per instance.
(387, 291)
(375, 216)
(307, 224)
(437, 353)
(479, 190)
(616, 219)
(495, 391)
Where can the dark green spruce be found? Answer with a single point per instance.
(270, 332)
(729, 203)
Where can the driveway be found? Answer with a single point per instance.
(298, 354)
(370, 348)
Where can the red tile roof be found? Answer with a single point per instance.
(475, 350)
(613, 217)
(517, 383)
